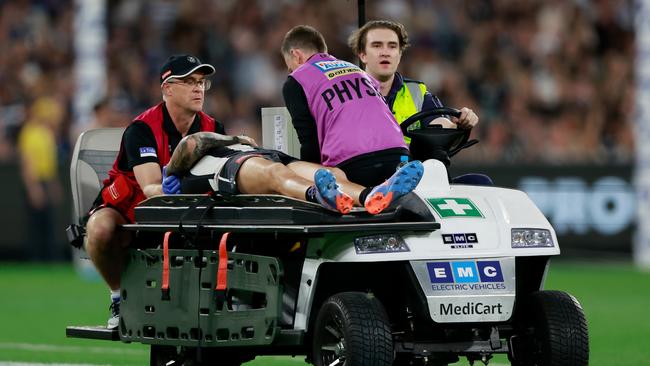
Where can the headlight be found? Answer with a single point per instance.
(531, 238)
(384, 243)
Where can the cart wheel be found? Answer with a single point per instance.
(352, 329)
(161, 355)
(553, 331)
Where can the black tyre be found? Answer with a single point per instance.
(552, 331)
(353, 329)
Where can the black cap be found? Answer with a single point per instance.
(179, 66)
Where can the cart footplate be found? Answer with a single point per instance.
(92, 332)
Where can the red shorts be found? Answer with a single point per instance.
(120, 195)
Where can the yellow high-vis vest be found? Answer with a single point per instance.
(408, 101)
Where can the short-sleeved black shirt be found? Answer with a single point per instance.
(140, 144)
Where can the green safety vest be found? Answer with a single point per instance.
(408, 101)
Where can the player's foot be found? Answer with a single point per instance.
(402, 182)
(114, 320)
(328, 193)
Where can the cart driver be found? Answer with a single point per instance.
(379, 44)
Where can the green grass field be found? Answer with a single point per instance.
(38, 301)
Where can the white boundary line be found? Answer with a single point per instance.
(3, 363)
(106, 351)
(71, 349)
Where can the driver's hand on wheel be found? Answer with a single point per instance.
(467, 119)
(444, 122)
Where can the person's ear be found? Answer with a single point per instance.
(363, 56)
(167, 91)
(299, 56)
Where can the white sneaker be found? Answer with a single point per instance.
(114, 320)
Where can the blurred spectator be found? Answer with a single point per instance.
(105, 115)
(37, 148)
(552, 80)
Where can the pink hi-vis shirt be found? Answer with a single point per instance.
(351, 116)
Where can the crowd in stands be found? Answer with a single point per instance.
(551, 80)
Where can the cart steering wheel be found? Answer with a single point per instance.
(437, 112)
(432, 141)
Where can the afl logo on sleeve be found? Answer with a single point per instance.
(333, 69)
(148, 152)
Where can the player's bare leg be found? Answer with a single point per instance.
(258, 175)
(307, 170)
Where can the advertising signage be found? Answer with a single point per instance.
(591, 207)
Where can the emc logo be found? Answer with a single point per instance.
(468, 238)
(465, 272)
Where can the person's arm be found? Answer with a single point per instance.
(149, 178)
(193, 147)
(142, 157)
(304, 123)
(432, 102)
(468, 119)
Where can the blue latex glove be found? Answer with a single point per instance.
(170, 183)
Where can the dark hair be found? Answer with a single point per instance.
(100, 104)
(304, 37)
(358, 39)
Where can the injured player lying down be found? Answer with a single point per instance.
(207, 161)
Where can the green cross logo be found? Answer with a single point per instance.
(454, 207)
